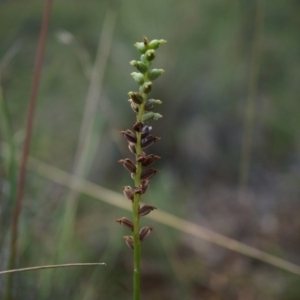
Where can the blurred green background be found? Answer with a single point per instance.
(230, 145)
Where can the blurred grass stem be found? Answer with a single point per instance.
(105, 195)
(50, 267)
(29, 125)
(85, 141)
(7, 131)
(250, 106)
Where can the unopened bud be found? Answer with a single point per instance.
(141, 47)
(154, 44)
(150, 54)
(148, 116)
(138, 77)
(155, 73)
(139, 65)
(152, 103)
(156, 116)
(151, 116)
(146, 87)
(144, 232)
(143, 59)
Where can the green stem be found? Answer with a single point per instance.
(137, 249)
(135, 208)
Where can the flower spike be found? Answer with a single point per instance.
(139, 139)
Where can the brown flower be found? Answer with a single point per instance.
(126, 223)
(144, 232)
(149, 173)
(146, 209)
(128, 192)
(129, 241)
(144, 186)
(129, 135)
(137, 126)
(149, 140)
(128, 165)
(146, 130)
(147, 160)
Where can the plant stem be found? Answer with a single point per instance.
(137, 249)
(249, 119)
(11, 162)
(50, 267)
(135, 208)
(29, 125)
(136, 142)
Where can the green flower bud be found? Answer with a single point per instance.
(139, 65)
(155, 73)
(146, 87)
(151, 103)
(138, 77)
(157, 116)
(154, 44)
(141, 47)
(143, 59)
(136, 97)
(151, 116)
(147, 116)
(150, 54)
